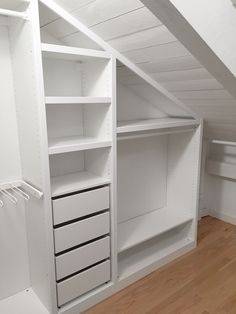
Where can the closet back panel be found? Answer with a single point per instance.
(182, 168)
(76, 78)
(96, 161)
(132, 106)
(14, 271)
(62, 77)
(79, 120)
(142, 171)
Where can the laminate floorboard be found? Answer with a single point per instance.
(200, 282)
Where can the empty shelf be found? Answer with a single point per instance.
(143, 228)
(71, 53)
(74, 182)
(75, 143)
(222, 169)
(152, 124)
(153, 254)
(77, 100)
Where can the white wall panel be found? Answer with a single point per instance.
(129, 23)
(14, 273)
(147, 38)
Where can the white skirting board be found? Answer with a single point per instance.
(25, 302)
(222, 216)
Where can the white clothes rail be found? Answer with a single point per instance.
(10, 188)
(135, 135)
(12, 13)
(223, 142)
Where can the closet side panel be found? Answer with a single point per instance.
(31, 116)
(14, 272)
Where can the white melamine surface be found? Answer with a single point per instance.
(142, 228)
(81, 204)
(81, 231)
(152, 124)
(83, 257)
(13, 238)
(77, 100)
(222, 169)
(141, 176)
(83, 282)
(25, 302)
(71, 53)
(152, 252)
(76, 182)
(75, 143)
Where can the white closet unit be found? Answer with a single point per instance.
(111, 167)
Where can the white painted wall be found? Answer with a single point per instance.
(215, 21)
(14, 274)
(219, 192)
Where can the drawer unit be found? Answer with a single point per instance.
(81, 231)
(83, 282)
(79, 205)
(85, 256)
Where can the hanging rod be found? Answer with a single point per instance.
(12, 13)
(16, 186)
(134, 135)
(223, 142)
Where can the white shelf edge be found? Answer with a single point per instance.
(77, 100)
(82, 144)
(76, 182)
(154, 124)
(221, 169)
(74, 51)
(148, 234)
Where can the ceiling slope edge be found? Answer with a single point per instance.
(89, 33)
(179, 26)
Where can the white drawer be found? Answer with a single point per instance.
(79, 205)
(81, 231)
(82, 257)
(77, 285)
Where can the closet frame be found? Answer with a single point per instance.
(27, 58)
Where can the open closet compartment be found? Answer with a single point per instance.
(157, 177)
(81, 170)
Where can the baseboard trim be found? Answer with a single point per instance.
(204, 212)
(222, 216)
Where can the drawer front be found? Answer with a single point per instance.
(77, 285)
(83, 257)
(79, 205)
(82, 231)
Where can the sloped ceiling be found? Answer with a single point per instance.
(133, 30)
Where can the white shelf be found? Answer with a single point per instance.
(153, 124)
(24, 302)
(77, 100)
(221, 169)
(74, 182)
(153, 255)
(143, 228)
(75, 143)
(71, 53)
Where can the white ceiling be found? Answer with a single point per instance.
(134, 31)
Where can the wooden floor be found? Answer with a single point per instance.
(201, 282)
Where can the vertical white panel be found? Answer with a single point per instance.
(14, 272)
(142, 170)
(28, 80)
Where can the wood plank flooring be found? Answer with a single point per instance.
(201, 282)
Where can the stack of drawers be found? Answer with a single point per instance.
(82, 242)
